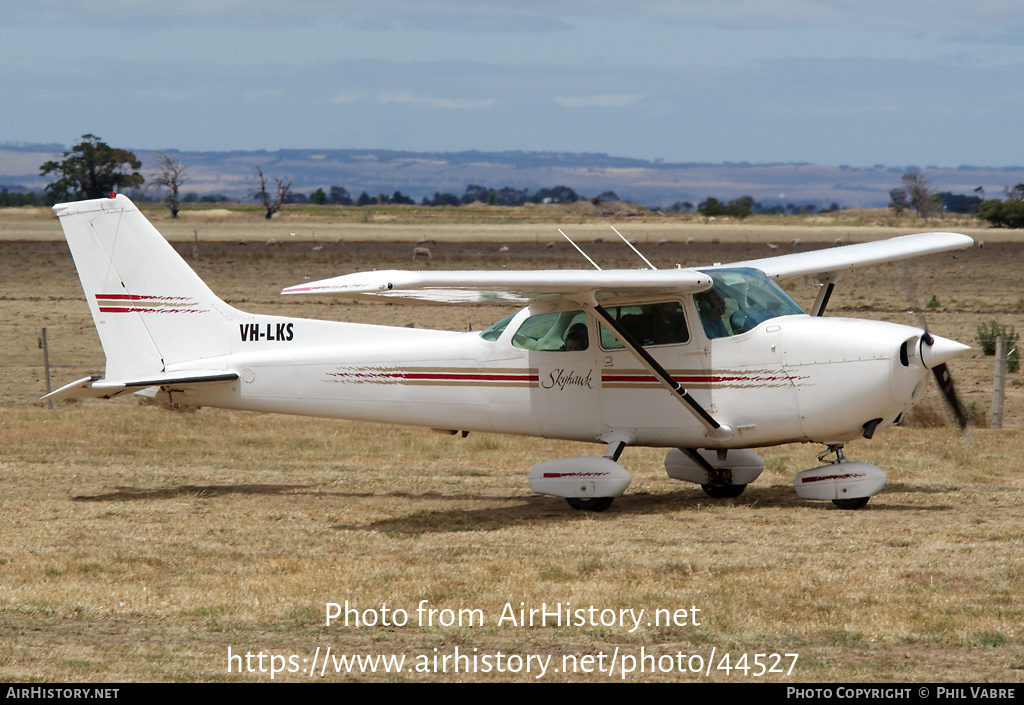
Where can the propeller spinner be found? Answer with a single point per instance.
(935, 351)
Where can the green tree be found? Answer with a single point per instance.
(319, 197)
(738, 208)
(1002, 214)
(92, 169)
(898, 200)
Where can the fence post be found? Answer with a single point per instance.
(999, 383)
(46, 364)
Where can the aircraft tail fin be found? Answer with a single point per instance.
(150, 309)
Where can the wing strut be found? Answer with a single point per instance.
(715, 430)
(827, 284)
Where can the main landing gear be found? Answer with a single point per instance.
(722, 474)
(587, 484)
(723, 491)
(849, 484)
(594, 504)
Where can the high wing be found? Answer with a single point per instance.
(507, 287)
(526, 286)
(834, 260)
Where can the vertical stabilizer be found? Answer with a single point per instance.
(151, 310)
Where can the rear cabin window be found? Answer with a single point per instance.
(660, 323)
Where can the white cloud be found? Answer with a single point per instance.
(347, 98)
(165, 95)
(606, 100)
(256, 96)
(435, 102)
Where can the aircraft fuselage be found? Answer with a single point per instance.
(791, 378)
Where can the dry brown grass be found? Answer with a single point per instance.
(140, 544)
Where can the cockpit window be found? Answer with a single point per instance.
(660, 323)
(561, 331)
(494, 331)
(738, 300)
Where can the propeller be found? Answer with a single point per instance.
(945, 382)
(934, 353)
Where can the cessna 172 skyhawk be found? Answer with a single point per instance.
(707, 362)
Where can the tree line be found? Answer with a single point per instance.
(474, 193)
(745, 206)
(94, 169)
(918, 194)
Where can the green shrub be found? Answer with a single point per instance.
(987, 334)
(1002, 214)
(975, 414)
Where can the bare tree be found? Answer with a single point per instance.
(271, 204)
(170, 173)
(921, 194)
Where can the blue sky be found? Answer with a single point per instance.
(827, 82)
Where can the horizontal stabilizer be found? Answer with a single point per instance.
(97, 388)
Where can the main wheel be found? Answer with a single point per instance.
(595, 504)
(854, 503)
(723, 491)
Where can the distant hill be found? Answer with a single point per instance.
(419, 174)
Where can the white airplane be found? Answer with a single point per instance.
(707, 362)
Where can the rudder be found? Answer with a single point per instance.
(150, 309)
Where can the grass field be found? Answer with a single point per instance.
(141, 544)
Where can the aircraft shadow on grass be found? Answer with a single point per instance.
(128, 494)
(537, 511)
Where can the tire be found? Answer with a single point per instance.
(854, 503)
(723, 491)
(595, 504)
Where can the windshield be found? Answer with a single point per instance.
(739, 299)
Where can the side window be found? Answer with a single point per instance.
(494, 331)
(660, 323)
(561, 331)
(715, 309)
